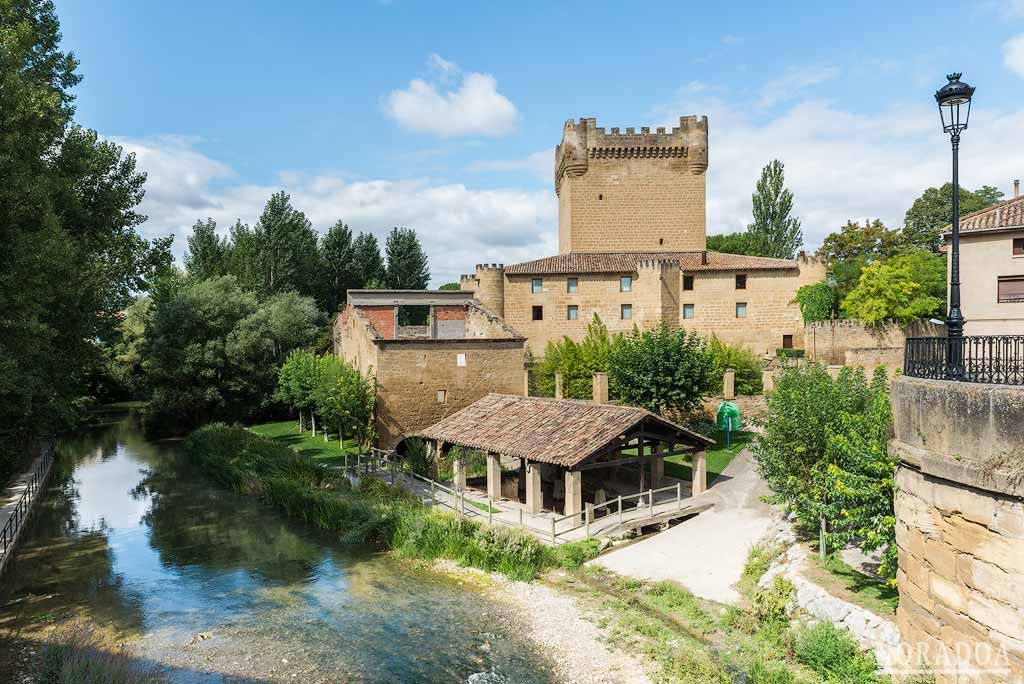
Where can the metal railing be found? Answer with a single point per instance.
(23, 507)
(989, 359)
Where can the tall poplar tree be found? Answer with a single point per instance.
(407, 262)
(340, 273)
(207, 255)
(286, 245)
(774, 233)
(368, 261)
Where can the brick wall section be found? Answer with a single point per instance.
(960, 525)
(410, 374)
(450, 313)
(382, 318)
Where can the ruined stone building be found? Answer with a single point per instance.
(426, 372)
(632, 234)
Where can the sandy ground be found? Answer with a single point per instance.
(575, 646)
(706, 553)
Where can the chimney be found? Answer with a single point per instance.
(1016, 188)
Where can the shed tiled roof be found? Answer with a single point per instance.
(626, 262)
(561, 431)
(1008, 214)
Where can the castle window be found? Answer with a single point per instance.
(1018, 247)
(626, 312)
(741, 281)
(600, 198)
(688, 311)
(687, 282)
(571, 284)
(538, 285)
(626, 284)
(460, 359)
(572, 313)
(661, 241)
(787, 341)
(538, 313)
(741, 309)
(442, 396)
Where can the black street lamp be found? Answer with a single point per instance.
(951, 98)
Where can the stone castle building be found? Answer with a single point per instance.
(632, 234)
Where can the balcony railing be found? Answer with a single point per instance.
(990, 359)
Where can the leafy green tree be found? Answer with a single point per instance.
(126, 358)
(747, 364)
(733, 243)
(933, 211)
(286, 244)
(345, 398)
(576, 362)
(901, 289)
(244, 256)
(662, 369)
(369, 262)
(774, 233)
(297, 381)
(817, 302)
(407, 262)
(853, 247)
(207, 255)
(451, 286)
(72, 257)
(339, 266)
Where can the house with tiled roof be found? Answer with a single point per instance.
(992, 267)
(632, 239)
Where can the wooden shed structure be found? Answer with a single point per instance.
(581, 446)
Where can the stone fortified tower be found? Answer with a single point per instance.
(487, 285)
(632, 192)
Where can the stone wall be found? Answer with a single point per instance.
(960, 527)
(856, 344)
(620, 192)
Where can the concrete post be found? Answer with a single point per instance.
(729, 384)
(558, 385)
(534, 496)
(657, 465)
(493, 477)
(700, 472)
(459, 474)
(600, 388)
(574, 494)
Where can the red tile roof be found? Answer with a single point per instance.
(561, 431)
(626, 262)
(1008, 214)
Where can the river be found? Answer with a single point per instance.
(218, 588)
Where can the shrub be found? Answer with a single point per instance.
(416, 457)
(747, 364)
(573, 555)
(576, 362)
(662, 369)
(775, 673)
(818, 302)
(76, 654)
(833, 654)
(770, 605)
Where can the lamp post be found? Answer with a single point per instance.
(954, 100)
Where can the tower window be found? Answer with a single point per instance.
(741, 281)
(687, 282)
(538, 313)
(687, 311)
(741, 309)
(571, 284)
(787, 341)
(600, 198)
(661, 241)
(626, 284)
(572, 313)
(626, 312)
(538, 285)
(442, 396)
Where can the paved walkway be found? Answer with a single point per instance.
(706, 553)
(9, 499)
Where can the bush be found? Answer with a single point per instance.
(770, 605)
(576, 362)
(833, 654)
(662, 369)
(776, 673)
(747, 364)
(573, 555)
(818, 302)
(416, 457)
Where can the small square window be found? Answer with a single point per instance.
(687, 282)
(442, 396)
(538, 285)
(741, 309)
(571, 284)
(460, 360)
(741, 281)
(1010, 289)
(538, 313)
(787, 341)
(626, 312)
(572, 313)
(626, 284)
(1018, 246)
(687, 311)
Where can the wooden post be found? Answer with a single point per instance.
(489, 510)
(392, 473)
(620, 509)
(650, 493)
(553, 535)
(679, 495)
(432, 499)
(587, 515)
(520, 517)
(346, 462)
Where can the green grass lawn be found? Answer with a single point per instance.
(287, 432)
(845, 582)
(718, 456)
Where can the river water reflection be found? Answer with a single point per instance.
(219, 588)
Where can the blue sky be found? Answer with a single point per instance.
(444, 117)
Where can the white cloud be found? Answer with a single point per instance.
(1013, 54)
(456, 104)
(793, 82)
(458, 226)
(540, 164)
(842, 165)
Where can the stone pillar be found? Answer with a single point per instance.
(558, 385)
(729, 384)
(526, 382)
(700, 472)
(573, 493)
(494, 476)
(534, 495)
(768, 381)
(459, 474)
(657, 466)
(834, 370)
(600, 388)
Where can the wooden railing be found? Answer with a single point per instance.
(23, 507)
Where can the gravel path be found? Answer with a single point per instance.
(574, 646)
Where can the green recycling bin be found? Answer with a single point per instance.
(728, 419)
